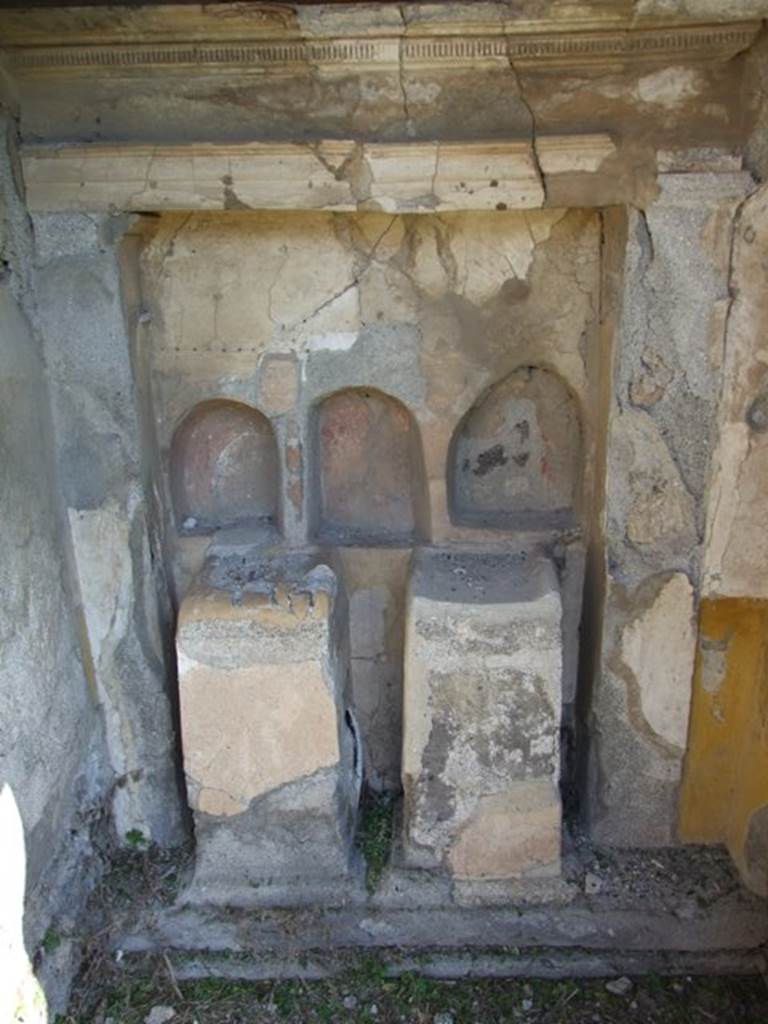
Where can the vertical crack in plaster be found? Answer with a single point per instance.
(645, 241)
(646, 256)
(135, 198)
(409, 127)
(531, 114)
(443, 235)
(370, 257)
(270, 290)
(170, 244)
(733, 292)
(433, 183)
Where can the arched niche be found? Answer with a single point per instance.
(370, 485)
(515, 460)
(224, 468)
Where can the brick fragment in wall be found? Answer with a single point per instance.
(278, 384)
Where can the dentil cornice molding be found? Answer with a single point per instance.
(278, 38)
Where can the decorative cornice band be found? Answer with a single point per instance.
(698, 42)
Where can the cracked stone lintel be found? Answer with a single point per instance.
(327, 175)
(532, 115)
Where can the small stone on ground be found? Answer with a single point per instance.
(592, 884)
(160, 1015)
(619, 986)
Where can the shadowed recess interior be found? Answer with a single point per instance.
(371, 485)
(224, 468)
(516, 456)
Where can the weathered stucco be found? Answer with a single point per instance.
(97, 443)
(736, 559)
(430, 310)
(465, 303)
(271, 757)
(661, 431)
(405, 322)
(52, 769)
(725, 788)
(245, 705)
(482, 695)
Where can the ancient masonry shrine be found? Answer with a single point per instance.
(384, 424)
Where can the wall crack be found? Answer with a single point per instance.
(534, 129)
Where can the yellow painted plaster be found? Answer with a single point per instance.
(726, 770)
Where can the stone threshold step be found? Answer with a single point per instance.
(447, 964)
(732, 923)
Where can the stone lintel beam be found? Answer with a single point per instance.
(417, 177)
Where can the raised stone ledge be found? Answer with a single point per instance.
(413, 177)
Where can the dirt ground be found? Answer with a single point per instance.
(146, 988)
(364, 993)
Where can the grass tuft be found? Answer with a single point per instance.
(374, 836)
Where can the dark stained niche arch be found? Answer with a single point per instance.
(224, 468)
(369, 483)
(515, 460)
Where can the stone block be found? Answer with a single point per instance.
(270, 750)
(482, 706)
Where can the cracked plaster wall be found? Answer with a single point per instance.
(662, 429)
(736, 557)
(52, 750)
(655, 110)
(724, 789)
(279, 310)
(658, 105)
(101, 456)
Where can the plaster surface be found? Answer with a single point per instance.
(103, 466)
(660, 436)
(53, 774)
(736, 556)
